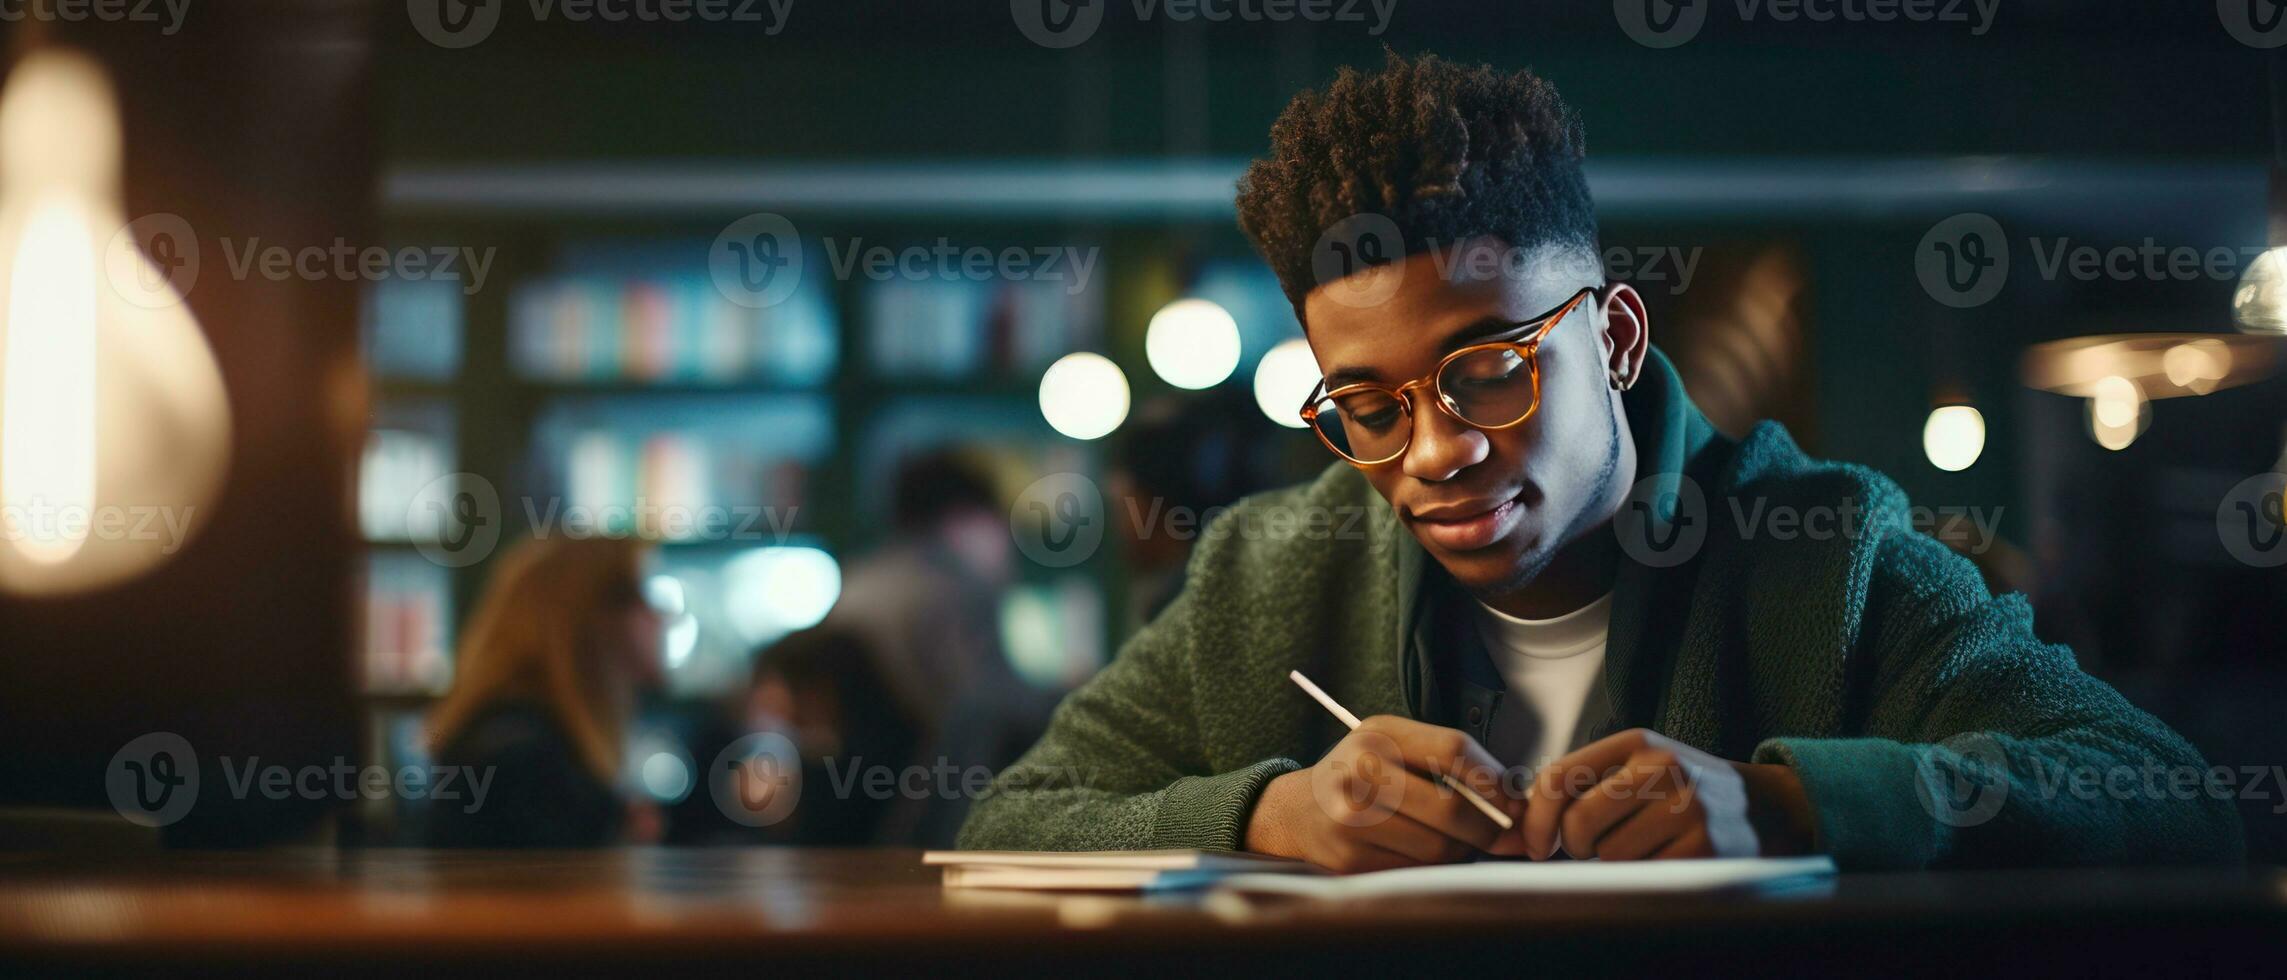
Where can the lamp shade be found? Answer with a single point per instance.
(114, 429)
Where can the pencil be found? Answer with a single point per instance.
(1489, 810)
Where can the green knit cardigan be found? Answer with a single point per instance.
(1927, 723)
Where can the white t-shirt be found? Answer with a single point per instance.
(1552, 668)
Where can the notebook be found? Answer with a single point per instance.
(1542, 877)
(1104, 870)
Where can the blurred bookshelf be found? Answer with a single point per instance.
(600, 373)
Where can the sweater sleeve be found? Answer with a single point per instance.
(1121, 766)
(1986, 746)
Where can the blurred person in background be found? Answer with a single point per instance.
(546, 682)
(927, 605)
(1175, 464)
(820, 689)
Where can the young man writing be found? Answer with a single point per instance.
(1476, 573)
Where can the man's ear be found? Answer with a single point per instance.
(1627, 336)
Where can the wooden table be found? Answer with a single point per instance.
(755, 912)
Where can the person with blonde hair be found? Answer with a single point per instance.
(546, 679)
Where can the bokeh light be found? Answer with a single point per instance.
(1953, 437)
(1283, 378)
(2260, 304)
(770, 592)
(2198, 365)
(1192, 343)
(2116, 412)
(666, 776)
(1084, 395)
(667, 596)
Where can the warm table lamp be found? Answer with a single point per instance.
(114, 431)
(2121, 374)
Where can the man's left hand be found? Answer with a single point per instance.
(1639, 794)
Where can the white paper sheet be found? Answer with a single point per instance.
(1517, 877)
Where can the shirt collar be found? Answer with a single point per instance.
(1670, 435)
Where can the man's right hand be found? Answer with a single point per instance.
(1375, 802)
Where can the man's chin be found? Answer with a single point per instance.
(1497, 569)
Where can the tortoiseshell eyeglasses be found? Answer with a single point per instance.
(1495, 385)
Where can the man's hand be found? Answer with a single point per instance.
(1375, 802)
(1639, 794)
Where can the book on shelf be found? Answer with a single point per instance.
(413, 329)
(593, 328)
(694, 463)
(407, 617)
(398, 469)
(958, 328)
